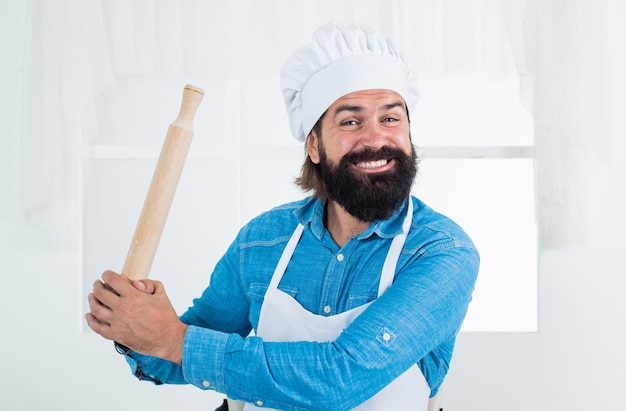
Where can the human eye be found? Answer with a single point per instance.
(392, 117)
(348, 122)
(390, 120)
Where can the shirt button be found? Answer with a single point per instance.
(259, 403)
(386, 337)
(206, 384)
(340, 257)
(327, 309)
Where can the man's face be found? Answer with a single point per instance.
(364, 151)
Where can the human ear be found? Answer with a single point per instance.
(312, 147)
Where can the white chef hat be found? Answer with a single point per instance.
(341, 60)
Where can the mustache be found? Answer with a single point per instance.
(369, 154)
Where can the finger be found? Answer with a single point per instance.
(109, 288)
(104, 294)
(159, 288)
(97, 326)
(98, 311)
(95, 318)
(145, 286)
(117, 282)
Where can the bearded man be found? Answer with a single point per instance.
(348, 299)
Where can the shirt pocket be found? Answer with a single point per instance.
(357, 300)
(257, 291)
(291, 291)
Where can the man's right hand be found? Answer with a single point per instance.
(136, 314)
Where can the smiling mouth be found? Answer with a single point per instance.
(372, 164)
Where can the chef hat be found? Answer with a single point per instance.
(341, 60)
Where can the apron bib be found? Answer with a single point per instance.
(282, 318)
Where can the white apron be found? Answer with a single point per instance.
(282, 318)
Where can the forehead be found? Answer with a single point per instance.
(368, 99)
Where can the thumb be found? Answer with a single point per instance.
(145, 286)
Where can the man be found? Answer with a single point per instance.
(355, 295)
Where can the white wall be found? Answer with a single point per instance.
(575, 362)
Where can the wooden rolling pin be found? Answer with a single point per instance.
(162, 188)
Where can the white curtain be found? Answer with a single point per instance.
(74, 49)
(65, 66)
(564, 68)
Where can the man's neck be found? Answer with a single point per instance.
(342, 225)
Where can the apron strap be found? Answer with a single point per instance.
(286, 256)
(391, 261)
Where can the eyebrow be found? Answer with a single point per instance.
(357, 109)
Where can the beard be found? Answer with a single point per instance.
(369, 196)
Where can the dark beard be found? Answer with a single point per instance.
(369, 197)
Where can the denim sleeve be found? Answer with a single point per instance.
(222, 308)
(154, 370)
(422, 312)
(223, 305)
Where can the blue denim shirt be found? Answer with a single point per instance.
(422, 311)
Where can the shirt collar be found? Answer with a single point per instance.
(312, 214)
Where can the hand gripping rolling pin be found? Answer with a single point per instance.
(162, 188)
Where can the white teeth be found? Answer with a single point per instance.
(372, 164)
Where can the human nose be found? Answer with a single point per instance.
(374, 135)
